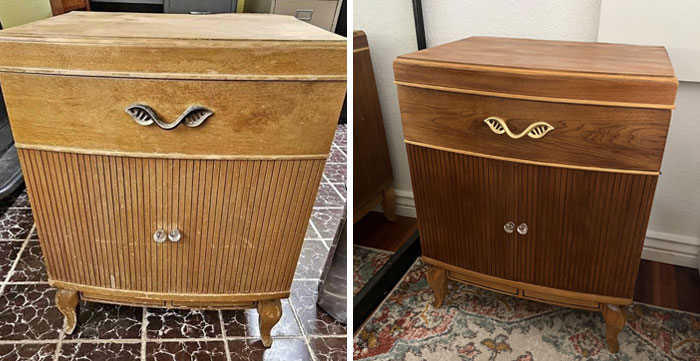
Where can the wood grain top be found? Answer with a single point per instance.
(561, 56)
(231, 27)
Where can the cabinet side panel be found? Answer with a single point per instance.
(586, 229)
(372, 166)
(242, 222)
(462, 203)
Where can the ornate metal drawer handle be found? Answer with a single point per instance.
(194, 116)
(535, 130)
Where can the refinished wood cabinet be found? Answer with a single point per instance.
(172, 160)
(534, 165)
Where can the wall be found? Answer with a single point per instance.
(674, 228)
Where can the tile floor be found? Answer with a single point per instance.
(31, 325)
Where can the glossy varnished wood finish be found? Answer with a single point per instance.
(584, 190)
(562, 71)
(242, 222)
(372, 176)
(462, 204)
(588, 136)
(257, 118)
(375, 231)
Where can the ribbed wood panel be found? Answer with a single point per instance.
(462, 203)
(586, 229)
(242, 221)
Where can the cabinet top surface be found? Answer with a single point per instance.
(99, 25)
(560, 56)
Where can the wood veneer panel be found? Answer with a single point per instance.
(371, 164)
(251, 119)
(577, 72)
(462, 203)
(588, 136)
(242, 221)
(584, 228)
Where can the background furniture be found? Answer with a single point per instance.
(534, 165)
(372, 176)
(172, 168)
(59, 7)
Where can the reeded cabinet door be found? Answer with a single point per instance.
(463, 203)
(585, 228)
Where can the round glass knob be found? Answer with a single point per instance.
(522, 228)
(509, 227)
(174, 235)
(159, 236)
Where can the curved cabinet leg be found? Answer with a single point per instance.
(269, 313)
(389, 203)
(614, 322)
(437, 279)
(67, 301)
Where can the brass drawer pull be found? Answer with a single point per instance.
(193, 117)
(535, 130)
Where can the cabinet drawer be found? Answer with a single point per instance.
(587, 136)
(318, 12)
(241, 222)
(250, 118)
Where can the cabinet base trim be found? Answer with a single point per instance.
(101, 294)
(574, 299)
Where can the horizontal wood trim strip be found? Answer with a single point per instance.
(478, 277)
(496, 287)
(559, 300)
(535, 98)
(174, 76)
(515, 160)
(116, 294)
(511, 70)
(360, 50)
(50, 148)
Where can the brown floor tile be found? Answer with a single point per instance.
(28, 312)
(293, 349)
(328, 197)
(311, 260)
(327, 221)
(329, 348)
(336, 156)
(27, 351)
(8, 254)
(105, 321)
(313, 319)
(190, 350)
(30, 267)
(336, 172)
(244, 323)
(176, 323)
(100, 351)
(15, 223)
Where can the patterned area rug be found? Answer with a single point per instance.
(475, 324)
(365, 263)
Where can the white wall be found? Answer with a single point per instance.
(674, 228)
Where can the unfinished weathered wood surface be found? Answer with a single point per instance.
(130, 208)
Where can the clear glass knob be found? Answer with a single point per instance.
(174, 235)
(159, 236)
(522, 228)
(509, 227)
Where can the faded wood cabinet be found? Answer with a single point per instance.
(534, 165)
(172, 160)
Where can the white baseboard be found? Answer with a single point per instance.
(658, 246)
